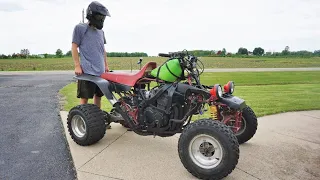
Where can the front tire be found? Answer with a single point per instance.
(208, 149)
(86, 124)
(249, 125)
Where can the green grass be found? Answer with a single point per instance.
(120, 63)
(262, 78)
(266, 92)
(272, 99)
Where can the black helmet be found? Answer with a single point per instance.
(96, 14)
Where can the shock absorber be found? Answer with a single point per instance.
(214, 112)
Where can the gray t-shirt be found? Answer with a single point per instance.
(91, 48)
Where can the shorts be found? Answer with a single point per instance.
(86, 89)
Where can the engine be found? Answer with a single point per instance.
(153, 115)
(156, 116)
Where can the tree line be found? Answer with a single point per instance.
(25, 54)
(242, 52)
(258, 51)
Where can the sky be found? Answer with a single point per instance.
(155, 26)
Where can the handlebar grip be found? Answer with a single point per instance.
(164, 55)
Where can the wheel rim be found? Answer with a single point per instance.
(242, 127)
(205, 151)
(78, 126)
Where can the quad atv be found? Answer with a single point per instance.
(158, 101)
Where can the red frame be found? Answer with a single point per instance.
(227, 117)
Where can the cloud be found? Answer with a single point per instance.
(52, 1)
(10, 7)
(60, 2)
(166, 25)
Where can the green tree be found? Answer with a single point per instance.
(316, 53)
(14, 55)
(224, 51)
(24, 53)
(69, 53)
(59, 53)
(242, 50)
(286, 51)
(258, 51)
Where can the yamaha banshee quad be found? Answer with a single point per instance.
(207, 147)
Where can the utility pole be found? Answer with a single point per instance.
(82, 15)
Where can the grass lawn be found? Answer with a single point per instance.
(120, 63)
(266, 92)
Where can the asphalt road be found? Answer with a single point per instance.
(32, 141)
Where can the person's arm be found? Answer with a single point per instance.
(75, 56)
(76, 39)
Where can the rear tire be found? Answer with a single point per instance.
(202, 143)
(249, 125)
(86, 124)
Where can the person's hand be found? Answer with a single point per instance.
(78, 70)
(106, 69)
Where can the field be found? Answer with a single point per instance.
(125, 63)
(266, 92)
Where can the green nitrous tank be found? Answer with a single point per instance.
(170, 71)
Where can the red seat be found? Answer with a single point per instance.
(129, 79)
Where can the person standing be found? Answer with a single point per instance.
(91, 58)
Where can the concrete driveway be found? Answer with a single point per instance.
(286, 146)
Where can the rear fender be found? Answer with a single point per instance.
(101, 83)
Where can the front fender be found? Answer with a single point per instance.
(233, 102)
(101, 83)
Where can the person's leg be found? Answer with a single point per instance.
(97, 100)
(97, 96)
(84, 91)
(83, 101)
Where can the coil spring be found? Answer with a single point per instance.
(214, 112)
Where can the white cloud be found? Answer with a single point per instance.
(7, 6)
(161, 26)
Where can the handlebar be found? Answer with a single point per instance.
(164, 55)
(188, 61)
(173, 54)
